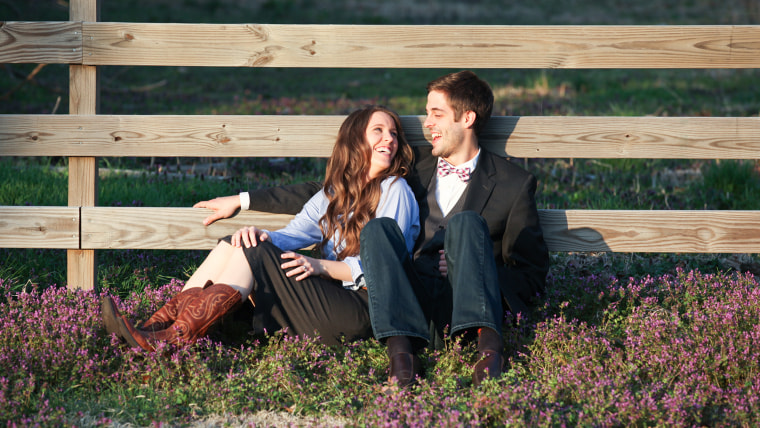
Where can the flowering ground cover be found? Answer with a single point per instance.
(677, 349)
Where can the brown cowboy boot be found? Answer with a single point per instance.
(164, 317)
(111, 315)
(199, 314)
(405, 364)
(490, 360)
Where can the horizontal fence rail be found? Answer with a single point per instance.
(565, 230)
(677, 231)
(39, 227)
(380, 46)
(314, 136)
(41, 42)
(647, 231)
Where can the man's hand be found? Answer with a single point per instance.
(443, 268)
(224, 207)
(249, 236)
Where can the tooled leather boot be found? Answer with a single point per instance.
(490, 362)
(164, 317)
(199, 314)
(111, 315)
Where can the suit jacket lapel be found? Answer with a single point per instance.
(426, 165)
(481, 184)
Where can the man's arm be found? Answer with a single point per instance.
(524, 252)
(288, 199)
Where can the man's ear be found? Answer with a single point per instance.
(469, 118)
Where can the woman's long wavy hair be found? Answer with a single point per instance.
(352, 202)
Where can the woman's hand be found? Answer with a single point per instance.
(249, 236)
(300, 265)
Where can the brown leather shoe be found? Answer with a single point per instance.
(490, 362)
(488, 367)
(165, 317)
(405, 365)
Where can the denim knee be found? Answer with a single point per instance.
(465, 222)
(378, 225)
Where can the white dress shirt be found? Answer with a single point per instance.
(450, 188)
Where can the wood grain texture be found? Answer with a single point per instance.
(84, 10)
(164, 228)
(423, 46)
(39, 227)
(652, 231)
(41, 42)
(564, 230)
(83, 171)
(314, 136)
(465, 46)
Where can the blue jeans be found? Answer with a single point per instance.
(403, 301)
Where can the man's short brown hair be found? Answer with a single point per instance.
(466, 92)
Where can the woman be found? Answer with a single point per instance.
(291, 291)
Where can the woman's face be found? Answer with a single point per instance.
(382, 137)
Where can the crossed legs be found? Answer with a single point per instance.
(225, 264)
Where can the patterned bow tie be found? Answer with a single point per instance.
(445, 168)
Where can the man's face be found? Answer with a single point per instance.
(447, 132)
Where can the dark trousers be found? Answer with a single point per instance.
(404, 302)
(315, 306)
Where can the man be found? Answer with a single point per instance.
(480, 244)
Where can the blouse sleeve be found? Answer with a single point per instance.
(398, 203)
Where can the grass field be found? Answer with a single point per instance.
(620, 339)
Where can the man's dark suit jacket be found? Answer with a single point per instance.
(500, 191)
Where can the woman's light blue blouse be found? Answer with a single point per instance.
(397, 202)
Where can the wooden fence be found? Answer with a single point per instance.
(83, 135)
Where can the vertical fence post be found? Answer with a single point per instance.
(83, 171)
